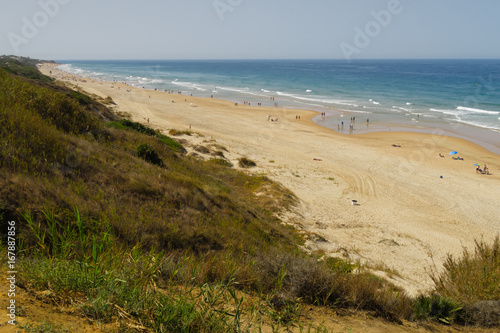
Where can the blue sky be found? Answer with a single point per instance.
(249, 29)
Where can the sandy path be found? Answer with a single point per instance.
(408, 218)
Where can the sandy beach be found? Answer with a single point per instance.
(413, 207)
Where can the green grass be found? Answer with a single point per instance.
(140, 128)
(23, 67)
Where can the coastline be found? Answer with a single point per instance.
(408, 218)
(409, 113)
(487, 139)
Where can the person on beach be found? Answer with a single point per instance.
(485, 170)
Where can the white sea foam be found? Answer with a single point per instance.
(401, 109)
(240, 90)
(189, 85)
(318, 100)
(454, 113)
(64, 67)
(355, 111)
(463, 108)
(245, 90)
(478, 124)
(308, 90)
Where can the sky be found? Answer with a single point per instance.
(250, 29)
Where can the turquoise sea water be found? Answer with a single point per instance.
(459, 96)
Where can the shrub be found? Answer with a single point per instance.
(138, 127)
(148, 153)
(439, 308)
(484, 313)
(245, 162)
(109, 100)
(171, 143)
(175, 132)
(202, 149)
(473, 277)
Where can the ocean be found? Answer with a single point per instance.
(454, 97)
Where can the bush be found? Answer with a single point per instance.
(473, 277)
(202, 149)
(171, 143)
(109, 100)
(138, 127)
(439, 308)
(244, 162)
(484, 313)
(175, 132)
(148, 153)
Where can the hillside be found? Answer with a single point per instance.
(115, 222)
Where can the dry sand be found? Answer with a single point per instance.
(407, 219)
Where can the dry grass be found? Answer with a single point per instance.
(473, 277)
(176, 132)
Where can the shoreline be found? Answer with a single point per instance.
(486, 137)
(407, 219)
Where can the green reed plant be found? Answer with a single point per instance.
(475, 276)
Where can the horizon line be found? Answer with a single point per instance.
(262, 59)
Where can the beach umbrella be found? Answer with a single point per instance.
(477, 164)
(453, 153)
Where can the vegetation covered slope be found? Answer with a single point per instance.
(115, 220)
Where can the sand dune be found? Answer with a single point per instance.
(407, 218)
